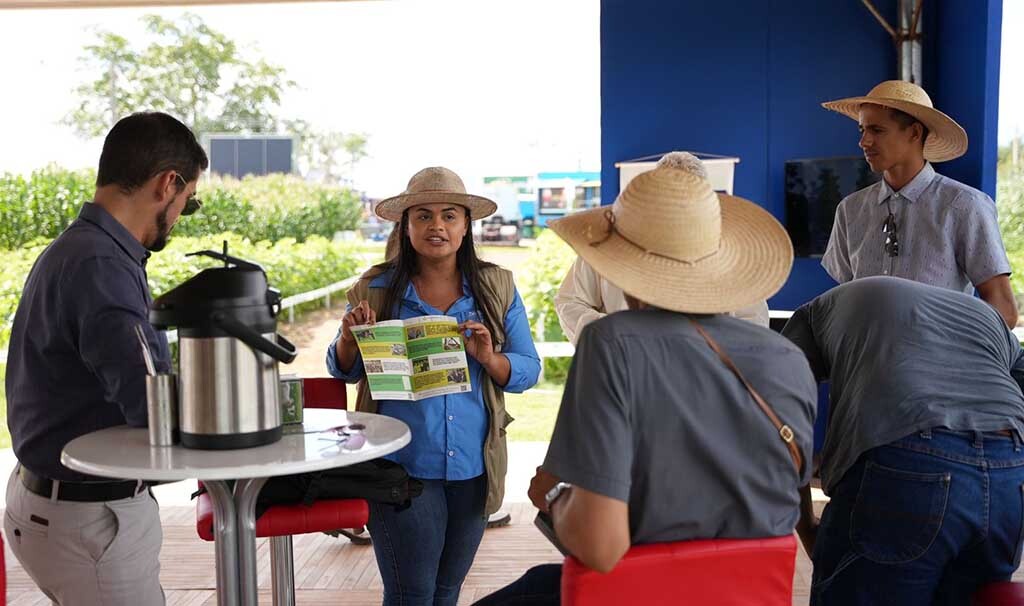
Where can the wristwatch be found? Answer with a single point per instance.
(556, 491)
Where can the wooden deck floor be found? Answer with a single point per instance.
(332, 571)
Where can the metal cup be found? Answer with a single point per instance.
(162, 405)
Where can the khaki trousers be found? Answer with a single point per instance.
(87, 554)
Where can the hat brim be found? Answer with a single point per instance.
(391, 209)
(946, 140)
(752, 263)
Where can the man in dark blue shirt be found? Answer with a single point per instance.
(75, 366)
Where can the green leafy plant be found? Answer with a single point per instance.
(291, 266)
(42, 205)
(13, 272)
(271, 207)
(547, 266)
(1010, 203)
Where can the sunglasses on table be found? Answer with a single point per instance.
(193, 203)
(349, 437)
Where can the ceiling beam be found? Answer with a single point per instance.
(40, 4)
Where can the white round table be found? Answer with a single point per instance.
(124, 452)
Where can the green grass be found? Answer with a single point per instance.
(534, 411)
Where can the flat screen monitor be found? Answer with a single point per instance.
(814, 188)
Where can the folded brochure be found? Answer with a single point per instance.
(413, 359)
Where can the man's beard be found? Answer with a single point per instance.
(162, 230)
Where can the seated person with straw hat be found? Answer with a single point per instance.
(678, 421)
(916, 223)
(923, 458)
(585, 296)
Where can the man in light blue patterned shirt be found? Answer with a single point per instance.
(916, 223)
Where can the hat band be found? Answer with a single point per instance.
(610, 217)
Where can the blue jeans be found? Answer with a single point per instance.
(425, 550)
(540, 586)
(923, 520)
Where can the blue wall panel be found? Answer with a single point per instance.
(967, 42)
(668, 81)
(747, 77)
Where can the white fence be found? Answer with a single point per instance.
(545, 350)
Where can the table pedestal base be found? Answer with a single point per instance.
(234, 535)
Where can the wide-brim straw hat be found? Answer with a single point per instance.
(946, 139)
(434, 185)
(670, 241)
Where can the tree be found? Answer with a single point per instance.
(188, 70)
(320, 152)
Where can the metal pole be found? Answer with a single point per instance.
(282, 570)
(246, 492)
(908, 42)
(225, 542)
(881, 20)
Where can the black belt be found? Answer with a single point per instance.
(80, 491)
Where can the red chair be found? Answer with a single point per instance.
(724, 572)
(280, 522)
(999, 594)
(3, 574)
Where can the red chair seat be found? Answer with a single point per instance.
(292, 519)
(999, 594)
(3, 574)
(725, 572)
(283, 520)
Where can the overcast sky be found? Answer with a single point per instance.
(483, 86)
(1011, 72)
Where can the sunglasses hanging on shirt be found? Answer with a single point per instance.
(889, 228)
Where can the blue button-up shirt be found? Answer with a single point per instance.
(947, 232)
(448, 432)
(74, 363)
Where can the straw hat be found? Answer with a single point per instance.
(672, 242)
(434, 185)
(946, 139)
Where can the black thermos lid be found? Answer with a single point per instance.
(238, 290)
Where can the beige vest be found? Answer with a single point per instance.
(494, 302)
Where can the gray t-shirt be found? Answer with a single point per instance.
(905, 357)
(652, 417)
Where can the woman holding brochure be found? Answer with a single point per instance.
(478, 332)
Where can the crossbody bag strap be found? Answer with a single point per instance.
(785, 432)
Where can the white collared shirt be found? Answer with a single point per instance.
(585, 296)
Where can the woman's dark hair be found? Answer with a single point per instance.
(405, 265)
(146, 144)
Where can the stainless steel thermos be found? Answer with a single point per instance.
(228, 354)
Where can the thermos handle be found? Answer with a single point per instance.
(255, 340)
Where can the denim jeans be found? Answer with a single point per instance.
(540, 586)
(923, 520)
(425, 550)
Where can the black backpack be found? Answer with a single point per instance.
(379, 480)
